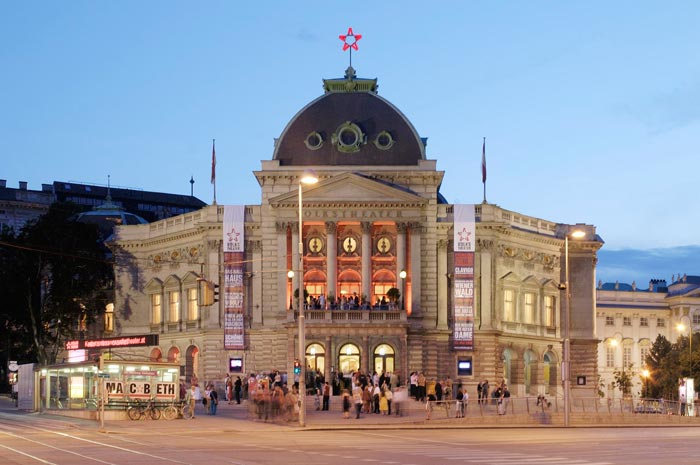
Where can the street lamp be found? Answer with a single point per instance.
(681, 328)
(623, 381)
(309, 177)
(645, 375)
(576, 234)
(402, 275)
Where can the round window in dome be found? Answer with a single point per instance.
(384, 141)
(348, 137)
(314, 141)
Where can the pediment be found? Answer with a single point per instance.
(511, 277)
(350, 188)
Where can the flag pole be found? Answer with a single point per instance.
(213, 167)
(483, 167)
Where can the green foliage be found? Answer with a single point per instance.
(623, 379)
(664, 365)
(55, 276)
(393, 294)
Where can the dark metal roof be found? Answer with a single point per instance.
(368, 111)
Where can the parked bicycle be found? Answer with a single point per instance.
(139, 409)
(177, 410)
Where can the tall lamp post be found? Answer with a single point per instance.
(645, 375)
(576, 234)
(681, 328)
(309, 177)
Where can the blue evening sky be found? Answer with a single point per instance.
(591, 110)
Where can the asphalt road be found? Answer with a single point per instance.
(40, 439)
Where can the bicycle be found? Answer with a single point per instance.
(139, 409)
(177, 410)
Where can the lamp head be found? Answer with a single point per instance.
(308, 177)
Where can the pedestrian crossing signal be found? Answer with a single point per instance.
(297, 367)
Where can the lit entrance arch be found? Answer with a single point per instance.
(315, 358)
(349, 359)
(384, 359)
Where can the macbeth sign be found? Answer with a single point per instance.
(139, 390)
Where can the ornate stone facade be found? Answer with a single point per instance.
(376, 212)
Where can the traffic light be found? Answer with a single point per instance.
(207, 293)
(297, 367)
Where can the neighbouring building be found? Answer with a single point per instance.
(629, 319)
(394, 277)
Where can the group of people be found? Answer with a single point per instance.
(500, 396)
(234, 389)
(375, 394)
(209, 398)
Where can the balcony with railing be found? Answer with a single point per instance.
(367, 315)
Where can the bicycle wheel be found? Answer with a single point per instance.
(154, 413)
(186, 412)
(170, 412)
(134, 413)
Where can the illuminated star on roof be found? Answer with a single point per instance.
(350, 40)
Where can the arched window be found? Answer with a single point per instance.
(348, 359)
(174, 354)
(529, 360)
(156, 355)
(315, 358)
(384, 359)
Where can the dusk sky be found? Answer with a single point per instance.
(591, 110)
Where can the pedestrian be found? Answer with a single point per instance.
(237, 389)
(346, 404)
(479, 392)
(205, 399)
(229, 389)
(213, 399)
(357, 398)
(326, 395)
(192, 397)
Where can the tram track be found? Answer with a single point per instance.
(37, 441)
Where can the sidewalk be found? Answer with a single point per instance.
(237, 418)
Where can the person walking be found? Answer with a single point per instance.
(213, 399)
(237, 389)
(346, 404)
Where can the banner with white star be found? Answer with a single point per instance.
(463, 277)
(233, 289)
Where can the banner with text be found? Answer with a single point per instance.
(139, 390)
(463, 282)
(233, 290)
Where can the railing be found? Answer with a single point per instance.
(352, 316)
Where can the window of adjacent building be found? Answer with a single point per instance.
(626, 321)
(643, 354)
(609, 321)
(174, 306)
(626, 355)
(508, 305)
(549, 302)
(109, 318)
(610, 357)
(156, 309)
(643, 321)
(660, 322)
(696, 319)
(192, 306)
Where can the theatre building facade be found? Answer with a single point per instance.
(394, 278)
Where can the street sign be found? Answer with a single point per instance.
(103, 375)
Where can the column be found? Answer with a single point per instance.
(295, 260)
(331, 258)
(367, 260)
(282, 254)
(442, 284)
(416, 268)
(401, 260)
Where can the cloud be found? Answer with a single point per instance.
(641, 266)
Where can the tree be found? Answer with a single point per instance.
(56, 281)
(663, 363)
(623, 379)
(393, 294)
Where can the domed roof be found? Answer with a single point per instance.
(349, 125)
(108, 215)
